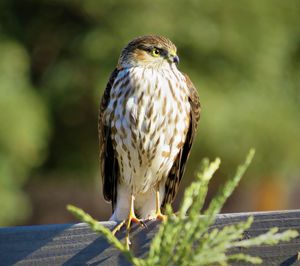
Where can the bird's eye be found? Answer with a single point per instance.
(155, 52)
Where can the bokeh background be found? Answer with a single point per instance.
(56, 57)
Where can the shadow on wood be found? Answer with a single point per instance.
(76, 244)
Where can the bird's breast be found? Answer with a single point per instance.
(149, 113)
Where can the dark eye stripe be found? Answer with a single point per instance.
(149, 49)
(162, 52)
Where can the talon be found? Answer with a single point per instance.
(127, 242)
(143, 224)
(131, 218)
(138, 221)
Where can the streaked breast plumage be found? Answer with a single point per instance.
(150, 116)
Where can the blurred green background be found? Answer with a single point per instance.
(56, 57)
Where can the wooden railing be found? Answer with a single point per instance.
(76, 244)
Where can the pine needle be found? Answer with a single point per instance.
(188, 238)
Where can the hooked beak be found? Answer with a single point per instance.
(174, 58)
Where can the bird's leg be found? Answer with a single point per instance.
(131, 218)
(159, 215)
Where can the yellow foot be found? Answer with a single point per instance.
(161, 217)
(158, 214)
(118, 227)
(127, 222)
(131, 218)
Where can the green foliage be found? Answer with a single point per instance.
(185, 239)
(243, 56)
(23, 134)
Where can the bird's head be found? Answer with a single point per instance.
(149, 51)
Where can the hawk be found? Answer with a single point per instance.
(147, 121)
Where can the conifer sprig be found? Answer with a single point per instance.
(189, 237)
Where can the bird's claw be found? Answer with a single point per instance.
(131, 218)
(138, 221)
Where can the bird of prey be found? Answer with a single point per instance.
(147, 121)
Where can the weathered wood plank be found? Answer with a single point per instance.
(76, 244)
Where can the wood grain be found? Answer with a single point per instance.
(76, 244)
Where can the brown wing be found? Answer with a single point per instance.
(178, 167)
(108, 161)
